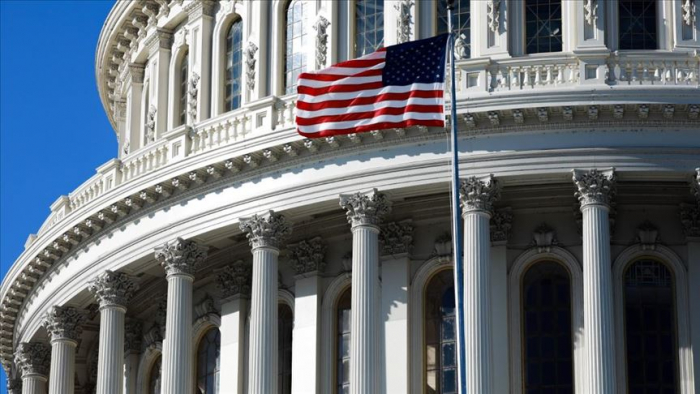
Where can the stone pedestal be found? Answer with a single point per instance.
(33, 360)
(64, 326)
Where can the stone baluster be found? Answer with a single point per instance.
(180, 259)
(265, 233)
(595, 192)
(477, 197)
(64, 325)
(365, 212)
(33, 360)
(113, 290)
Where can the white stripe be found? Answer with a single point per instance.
(338, 70)
(354, 109)
(345, 81)
(370, 92)
(377, 119)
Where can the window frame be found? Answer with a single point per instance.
(224, 69)
(202, 336)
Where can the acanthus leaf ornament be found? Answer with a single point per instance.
(250, 51)
(234, 279)
(479, 194)
(151, 124)
(688, 9)
(64, 322)
(365, 208)
(404, 20)
(33, 358)
(321, 27)
(192, 91)
(595, 186)
(396, 238)
(181, 257)
(590, 8)
(113, 288)
(270, 230)
(308, 256)
(493, 11)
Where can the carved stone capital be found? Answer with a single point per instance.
(268, 230)
(136, 71)
(33, 358)
(234, 279)
(365, 208)
(396, 238)
(595, 187)
(181, 257)
(308, 256)
(690, 219)
(133, 334)
(64, 322)
(479, 194)
(501, 223)
(113, 289)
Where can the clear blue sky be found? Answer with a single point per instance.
(53, 130)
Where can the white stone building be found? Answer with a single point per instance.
(176, 268)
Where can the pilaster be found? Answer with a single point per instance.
(33, 359)
(501, 224)
(133, 108)
(64, 325)
(159, 50)
(200, 25)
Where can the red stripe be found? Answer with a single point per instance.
(339, 88)
(377, 126)
(336, 77)
(357, 63)
(369, 100)
(370, 114)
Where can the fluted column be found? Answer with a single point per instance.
(64, 326)
(112, 290)
(265, 234)
(33, 360)
(477, 197)
(365, 211)
(595, 192)
(180, 259)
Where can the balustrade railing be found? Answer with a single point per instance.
(145, 160)
(646, 69)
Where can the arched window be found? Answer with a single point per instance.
(650, 328)
(184, 76)
(284, 368)
(369, 26)
(440, 334)
(234, 70)
(154, 378)
(461, 25)
(548, 349)
(297, 41)
(342, 343)
(543, 29)
(208, 362)
(637, 24)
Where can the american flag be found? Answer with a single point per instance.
(394, 87)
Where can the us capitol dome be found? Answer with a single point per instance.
(221, 252)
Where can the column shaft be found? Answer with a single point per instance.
(233, 316)
(34, 384)
(110, 361)
(177, 345)
(62, 377)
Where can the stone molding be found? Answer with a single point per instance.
(308, 256)
(595, 187)
(269, 230)
(181, 257)
(365, 209)
(479, 194)
(234, 279)
(64, 323)
(501, 224)
(33, 358)
(113, 289)
(396, 238)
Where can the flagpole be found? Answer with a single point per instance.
(456, 228)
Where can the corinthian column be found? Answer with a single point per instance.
(112, 290)
(595, 191)
(64, 326)
(33, 360)
(365, 212)
(477, 197)
(265, 234)
(180, 259)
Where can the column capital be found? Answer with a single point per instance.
(181, 257)
(161, 39)
(14, 386)
(396, 238)
(234, 279)
(33, 358)
(479, 194)
(136, 71)
(308, 256)
(64, 323)
(365, 208)
(501, 223)
(595, 187)
(198, 8)
(133, 334)
(113, 289)
(269, 230)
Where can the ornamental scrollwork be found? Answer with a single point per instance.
(234, 279)
(396, 238)
(33, 358)
(250, 51)
(365, 208)
(151, 124)
(64, 322)
(113, 288)
(404, 20)
(321, 28)
(181, 257)
(308, 256)
(493, 10)
(594, 186)
(479, 194)
(192, 91)
(270, 230)
(590, 8)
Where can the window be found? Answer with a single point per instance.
(650, 328)
(343, 343)
(440, 334)
(543, 27)
(637, 24)
(297, 42)
(183, 87)
(234, 70)
(154, 379)
(369, 26)
(547, 350)
(461, 25)
(208, 362)
(284, 368)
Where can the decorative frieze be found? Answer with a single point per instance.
(113, 289)
(543, 238)
(249, 53)
(501, 224)
(64, 322)
(308, 256)
(365, 208)
(234, 279)
(133, 336)
(268, 230)
(181, 257)
(595, 186)
(396, 238)
(404, 20)
(33, 358)
(321, 27)
(479, 194)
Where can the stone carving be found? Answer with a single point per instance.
(321, 28)
(234, 279)
(133, 334)
(542, 114)
(268, 230)
(479, 194)
(64, 322)
(205, 307)
(461, 47)
(396, 238)
(594, 186)
(346, 262)
(113, 288)
(688, 9)
(250, 61)
(590, 9)
(647, 235)
(181, 257)
(192, 91)
(153, 336)
(501, 224)
(308, 256)
(443, 247)
(544, 237)
(365, 208)
(151, 124)
(33, 358)
(404, 20)
(493, 10)
(690, 219)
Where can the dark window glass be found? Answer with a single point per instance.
(154, 380)
(461, 25)
(234, 54)
(297, 41)
(547, 345)
(184, 76)
(440, 335)
(650, 327)
(208, 362)
(369, 26)
(543, 26)
(343, 343)
(284, 335)
(638, 24)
